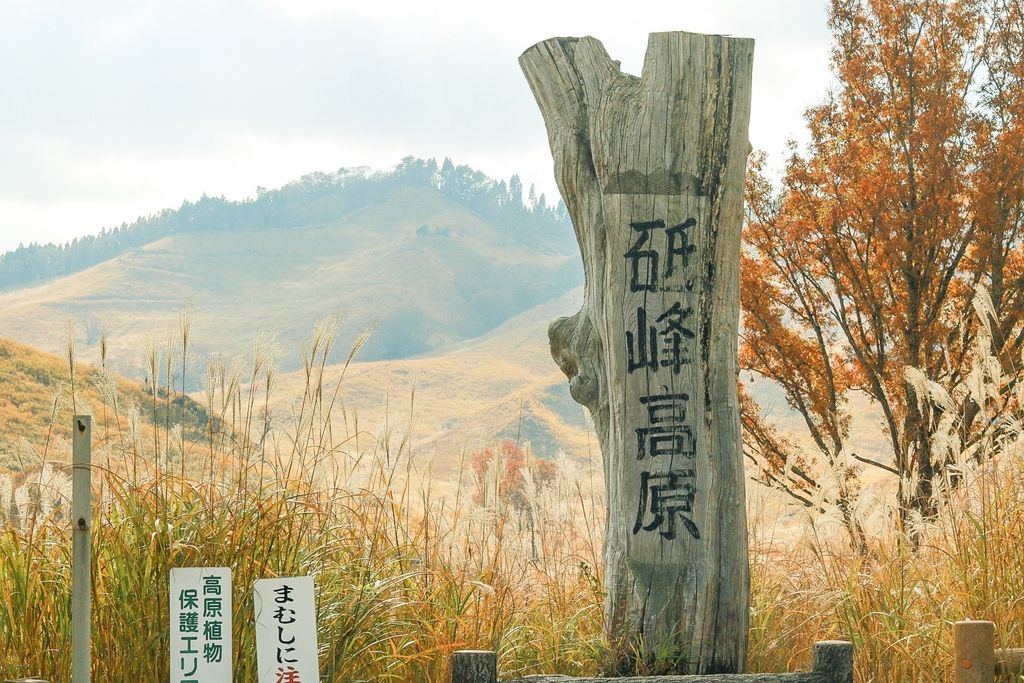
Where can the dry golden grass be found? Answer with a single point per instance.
(424, 293)
(897, 603)
(404, 575)
(407, 571)
(502, 385)
(39, 396)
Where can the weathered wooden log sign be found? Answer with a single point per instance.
(652, 171)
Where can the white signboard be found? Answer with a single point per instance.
(200, 625)
(286, 648)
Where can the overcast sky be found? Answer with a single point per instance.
(111, 109)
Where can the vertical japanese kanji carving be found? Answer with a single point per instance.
(652, 172)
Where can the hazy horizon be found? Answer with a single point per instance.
(121, 110)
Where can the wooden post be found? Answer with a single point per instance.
(974, 651)
(474, 666)
(833, 659)
(81, 567)
(652, 173)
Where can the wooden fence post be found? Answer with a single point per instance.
(81, 568)
(974, 650)
(475, 666)
(833, 659)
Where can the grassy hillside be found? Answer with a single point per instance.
(425, 271)
(38, 401)
(36, 392)
(314, 199)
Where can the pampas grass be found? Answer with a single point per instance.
(405, 574)
(408, 570)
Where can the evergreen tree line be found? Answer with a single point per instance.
(314, 199)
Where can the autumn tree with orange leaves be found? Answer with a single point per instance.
(909, 194)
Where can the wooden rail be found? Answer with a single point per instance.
(976, 658)
(1010, 661)
(833, 663)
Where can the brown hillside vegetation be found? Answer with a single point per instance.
(40, 396)
(409, 571)
(36, 403)
(448, 404)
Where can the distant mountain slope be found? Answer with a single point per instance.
(429, 258)
(314, 199)
(502, 385)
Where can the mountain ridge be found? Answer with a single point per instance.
(315, 197)
(424, 269)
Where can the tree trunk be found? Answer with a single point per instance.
(652, 172)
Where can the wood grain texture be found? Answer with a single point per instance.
(833, 663)
(474, 666)
(652, 171)
(834, 660)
